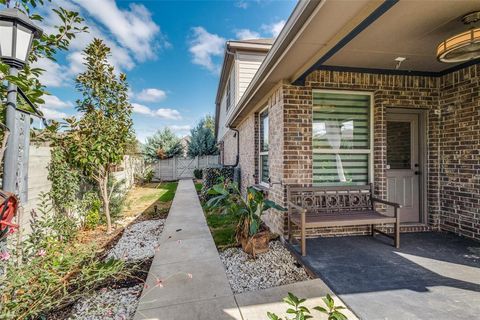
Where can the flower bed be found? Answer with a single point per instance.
(274, 268)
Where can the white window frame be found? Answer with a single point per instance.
(260, 152)
(369, 151)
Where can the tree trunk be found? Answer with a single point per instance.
(103, 184)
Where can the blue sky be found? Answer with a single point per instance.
(170, 50)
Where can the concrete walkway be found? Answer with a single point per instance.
(187, 279)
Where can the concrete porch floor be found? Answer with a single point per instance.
(432, 276)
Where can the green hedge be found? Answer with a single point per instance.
(198, 173)
(212, 176)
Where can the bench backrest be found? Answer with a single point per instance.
(334, 199)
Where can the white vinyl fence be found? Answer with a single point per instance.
(181, 168)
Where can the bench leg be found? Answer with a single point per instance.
(303, 233)
(373, 230)
(397, 234)
(289, 226)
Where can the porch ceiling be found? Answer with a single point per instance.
(411, 29)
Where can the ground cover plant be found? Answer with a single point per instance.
(297, 310)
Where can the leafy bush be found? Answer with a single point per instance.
(202, 141)
(228, 199)
(65, 181)
(118, 197)
(197, 173)
(146, 176)
(49, 270)
(213, 175)
(90, 207)
(298, 311)
(164, 144)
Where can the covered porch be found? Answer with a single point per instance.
(432, 276)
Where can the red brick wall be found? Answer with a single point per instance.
(459, 152)
(453, 140)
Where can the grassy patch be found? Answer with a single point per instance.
(168, 191)
(152, 199)
(222, 227)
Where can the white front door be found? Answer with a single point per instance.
(403, 167)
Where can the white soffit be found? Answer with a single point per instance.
(411, 29)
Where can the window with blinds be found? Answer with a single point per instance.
(341, 138)
(263, 136)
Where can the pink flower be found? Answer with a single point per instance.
(41, 253)
(146, 286)
(158, 283)
(190, 275)
(11, 230)
(103, 290)
(4, 256)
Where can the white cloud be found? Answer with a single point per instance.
(55, 75)
(53, 114)
(151, 95)
(168, 114)
(244, 34)
(164, 113)
(141, 109)
(181, 130)
(273, 29)
(204, 46)
(134, 27)
(53, 102)
(130, 33)
(242, 4)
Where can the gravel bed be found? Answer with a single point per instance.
(138, 241)
(117, 304)
(273, 268)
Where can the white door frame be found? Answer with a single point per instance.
(422, 156)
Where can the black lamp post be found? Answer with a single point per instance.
(17, 32)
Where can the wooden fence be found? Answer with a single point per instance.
(181, 168)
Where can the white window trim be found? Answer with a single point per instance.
(260, 152)
(370, 151)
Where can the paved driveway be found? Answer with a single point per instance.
(432, 276)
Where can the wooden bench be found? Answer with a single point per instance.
(314, 207)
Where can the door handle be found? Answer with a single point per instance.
(417, 173)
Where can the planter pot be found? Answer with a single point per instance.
(256, 244)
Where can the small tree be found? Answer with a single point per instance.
(203, 138)
(100, 138)
(164, 144)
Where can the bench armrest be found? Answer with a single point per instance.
(294, 206)
(388, 203)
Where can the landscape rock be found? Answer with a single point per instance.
(114, 304)
(274, 268)
(138, 241)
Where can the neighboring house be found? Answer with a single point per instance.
(185, 141)
(352, 92)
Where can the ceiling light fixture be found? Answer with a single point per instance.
(464, 46)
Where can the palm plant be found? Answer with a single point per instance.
(227, 198)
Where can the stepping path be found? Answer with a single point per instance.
(187, 279)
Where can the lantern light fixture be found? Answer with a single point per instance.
(17, 32)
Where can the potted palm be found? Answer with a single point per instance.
(251, 232)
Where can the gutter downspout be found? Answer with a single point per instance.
(237, 159)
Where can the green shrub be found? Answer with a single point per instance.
(118, 198)
(197, 173)
(90, 207)
(212, 176)
(48, 270)
(297, 310)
